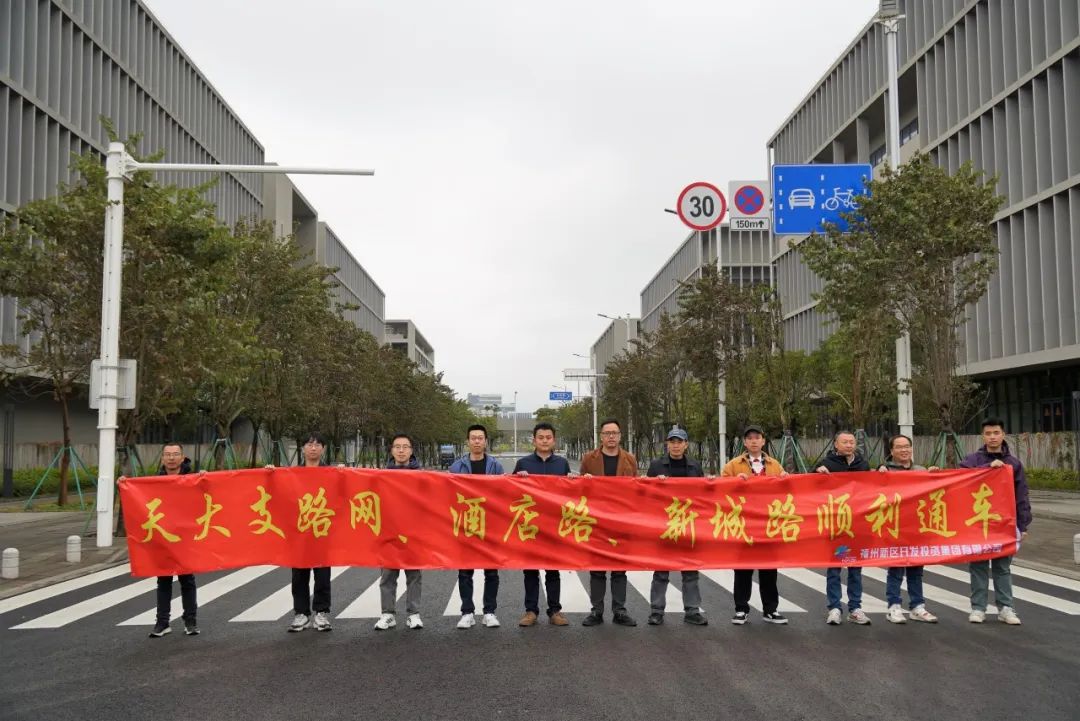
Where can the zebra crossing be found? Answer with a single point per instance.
(110, 596)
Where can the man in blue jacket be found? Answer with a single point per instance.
(542, 462)
(478, 462)
(994, 454)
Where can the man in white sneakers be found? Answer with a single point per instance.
(479, 462)
(401, 458)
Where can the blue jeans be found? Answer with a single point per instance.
(914, 586)
(854, 587)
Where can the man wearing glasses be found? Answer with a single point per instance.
(401, 458)
(608, 460)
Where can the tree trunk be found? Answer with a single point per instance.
(65, 458)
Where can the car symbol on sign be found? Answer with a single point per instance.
(801, 198)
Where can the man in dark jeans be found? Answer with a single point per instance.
(173, 463)
(542, 462)
(303, 603)
(479, 462)
(676, 464)
(609, 460)
(844, 458)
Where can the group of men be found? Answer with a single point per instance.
(611, 459)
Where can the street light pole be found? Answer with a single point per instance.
(890, 22)
(119, 166)
(515, 422)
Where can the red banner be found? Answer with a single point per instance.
(309, 517)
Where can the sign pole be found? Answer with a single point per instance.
(904, 405)
(118, 166)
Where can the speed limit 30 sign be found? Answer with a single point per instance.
(701, 206)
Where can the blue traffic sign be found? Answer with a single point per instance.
(560, 396)
(805, 196)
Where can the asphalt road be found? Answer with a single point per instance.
(80, 664)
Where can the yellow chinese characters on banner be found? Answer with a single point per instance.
(314, 515)
(933, 514)
(366, 509)
(680, 521)
(834, 517)
(211, 509)
(153, 520)
(576, 520)
(265, 521)
(472, 518)
(982, 509)
(885, 515)
(783, 520)
(523, 519)
(731, 523)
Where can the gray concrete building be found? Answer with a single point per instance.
(614, 341)
(64, 64)
(403, 336)
(745, 256)
(995, 82)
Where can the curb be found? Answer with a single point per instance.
(119, 556)
(1052, 516)
(1047, 568)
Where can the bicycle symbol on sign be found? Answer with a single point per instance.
(841, 197)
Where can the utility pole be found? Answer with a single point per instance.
(120, 166)
(889, 18)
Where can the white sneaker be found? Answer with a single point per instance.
(386, 621)
(834, 617)
(468, 620)
(299, 622)
(895, 614)
(1008, 615)
(977, 616)
(858, 616)
(491, 620)
(321, 622)
(413, 621)
(919, 613)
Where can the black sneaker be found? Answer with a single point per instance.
(774, 617)
(739, 618)
(191, 628)
(624, 619)
(656, 619)
(697, 618)
(593, 619)
(160, 629)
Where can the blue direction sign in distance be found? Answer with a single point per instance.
(805, 196)
(560, 396)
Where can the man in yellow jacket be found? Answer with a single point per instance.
(750, 465)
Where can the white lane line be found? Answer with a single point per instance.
(816, 581)
(369, 603)
(572, 595)
(726, 580)
(642, 583)
(934, 595)
(278, 604)
(90, 606)
(1029, 573)
(205, 594)
(43, 594)
(1039, 599)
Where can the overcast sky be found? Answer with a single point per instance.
(524, 152)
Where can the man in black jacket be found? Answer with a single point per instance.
(844, 458)
(676, 464)
(542, 461)
(174, 463)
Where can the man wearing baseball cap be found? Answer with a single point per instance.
(676, 464)
(751, 465)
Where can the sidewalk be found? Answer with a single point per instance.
(41, 538)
